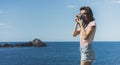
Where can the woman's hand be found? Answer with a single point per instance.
(78, 21)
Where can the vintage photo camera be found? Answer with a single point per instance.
(79, 16)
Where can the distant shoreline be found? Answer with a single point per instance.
(54, 41)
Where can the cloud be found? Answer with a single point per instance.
(116, 1)
(2, 25)
(71, 6)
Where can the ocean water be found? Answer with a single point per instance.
(59, 53)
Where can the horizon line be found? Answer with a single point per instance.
(59, 41)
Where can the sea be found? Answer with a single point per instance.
(59, 53)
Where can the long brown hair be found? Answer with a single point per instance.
(89, 14)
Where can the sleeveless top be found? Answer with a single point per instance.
(89, 40)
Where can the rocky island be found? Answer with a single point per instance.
(35, 43)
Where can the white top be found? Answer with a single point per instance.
(89, 40)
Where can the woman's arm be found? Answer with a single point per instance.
(76, 31)
(85, 33)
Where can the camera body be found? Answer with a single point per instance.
(79, 16)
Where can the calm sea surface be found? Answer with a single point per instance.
(59, 53)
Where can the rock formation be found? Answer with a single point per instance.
(35, 43)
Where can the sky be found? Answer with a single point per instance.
(53, 20)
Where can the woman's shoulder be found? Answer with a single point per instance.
(92, 23)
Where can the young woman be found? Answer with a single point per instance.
(87, 28)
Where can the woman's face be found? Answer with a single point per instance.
(84, 15)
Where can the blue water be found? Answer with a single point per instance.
(59, 53)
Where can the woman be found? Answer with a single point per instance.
(87, 28)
